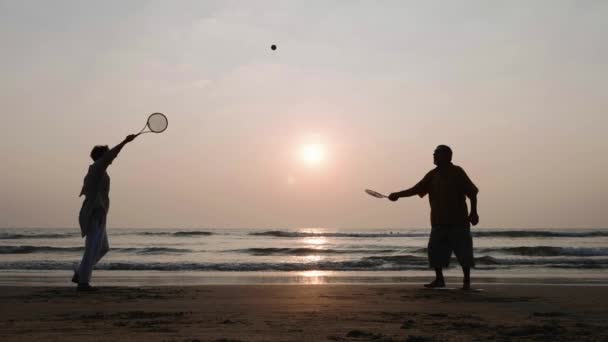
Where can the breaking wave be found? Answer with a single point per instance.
(288, 234)
(14, 236)
(310, 251)
(49, 249)
(487, 233)
(184, 233)
(374, 263)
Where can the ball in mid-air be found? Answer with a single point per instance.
(273, 47)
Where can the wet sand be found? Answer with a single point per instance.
(305, 313)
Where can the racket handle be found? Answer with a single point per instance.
(142, 130)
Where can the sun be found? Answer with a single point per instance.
(312, 154)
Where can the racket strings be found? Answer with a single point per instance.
(156, 123)
(374, 193)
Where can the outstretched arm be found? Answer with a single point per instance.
(405, 193)
(116, 149)
(419, 189)
(109, 156)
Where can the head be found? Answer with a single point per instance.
(442, 155)
(98, 151)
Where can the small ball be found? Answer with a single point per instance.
(273, 47)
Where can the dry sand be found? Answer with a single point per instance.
(305, 313)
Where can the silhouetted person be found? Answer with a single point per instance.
(92, 218)
(447, 186)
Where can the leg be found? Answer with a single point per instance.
(466, 282)
(93, 247)
(439, 274)
(104, 245)
(462, 243)
(439, 280)
(439, 253)
(102, 250)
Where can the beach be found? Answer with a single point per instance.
(221, 171)
(303, 285)
(352, 312)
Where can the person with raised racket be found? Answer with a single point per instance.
(94, 211)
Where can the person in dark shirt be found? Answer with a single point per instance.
(448, 186)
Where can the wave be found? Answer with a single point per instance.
(490, 233)
(192, 233)
(493, 261)
(546, 262)
(37, 249)
(288, 234)
(360, 265)
(538, 251)
(13, 236)
(299, 234)
(548, 251)
(50, 249)
(539, 233)
(530, 251)
(400, 259)
(375, 263)
(309, 251)
(184, 233)
(153, 250)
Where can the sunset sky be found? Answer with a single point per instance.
(357, 95)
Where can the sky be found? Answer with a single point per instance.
(518, 89)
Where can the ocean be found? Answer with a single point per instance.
(294, 256)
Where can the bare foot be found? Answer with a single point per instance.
(86, 288)
(435, 284)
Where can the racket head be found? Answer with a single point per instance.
(374, 193)
(157, 122)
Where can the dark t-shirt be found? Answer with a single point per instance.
(447, 187)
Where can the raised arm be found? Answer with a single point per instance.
(116, 149)
(109, 156)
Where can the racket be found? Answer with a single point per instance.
(375, 193)
(157, 123)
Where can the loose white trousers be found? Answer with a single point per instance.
(96, 246)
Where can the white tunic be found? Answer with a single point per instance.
(96, 189)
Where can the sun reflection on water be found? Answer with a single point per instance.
(315, 241)
(313, 258)
(314, 277)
